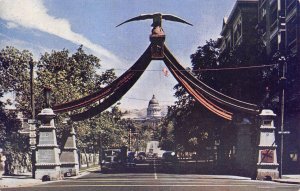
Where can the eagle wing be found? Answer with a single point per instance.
(141, 17)
(175, 18)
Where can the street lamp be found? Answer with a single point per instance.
(32, 123)
(282, 62)
(47, 94)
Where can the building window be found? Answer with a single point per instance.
(228, 42)
(263, 12)
(274, 45)
(291, 5)
(291, 31)
(274, 13)
(237, 32)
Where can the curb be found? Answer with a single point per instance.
(35, 182)
(287, 181)
(83, 173)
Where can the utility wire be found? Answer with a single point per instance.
(209, 69)
(145, 99)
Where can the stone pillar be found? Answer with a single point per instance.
(47, 154)
(245, 159)
(267, 166)
(69, 156)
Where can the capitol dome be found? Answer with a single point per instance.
(153, 110)
(153, 101)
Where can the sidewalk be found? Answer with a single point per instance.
(290, 179)
(26, 179)
(18, 181)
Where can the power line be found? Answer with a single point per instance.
(208, 69)
(237, 68)
(140, 99)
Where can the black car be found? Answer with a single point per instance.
(112, 160)
(169, 157)
(141, 157)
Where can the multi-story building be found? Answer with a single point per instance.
(278, 21)
(292, 49)
(292, 13)
(240, 25)
(271, 24)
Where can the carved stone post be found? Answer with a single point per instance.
(47, 149)
(267, 166)
(69, 155)
(245, 160)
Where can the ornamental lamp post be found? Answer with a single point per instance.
(47, 94)
(282, 62)
(32, 122)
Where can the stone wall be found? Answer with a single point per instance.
(88, 159)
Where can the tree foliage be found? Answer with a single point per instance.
(14, 76)
(70, 76)
(194, 127)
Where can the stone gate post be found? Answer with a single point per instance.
(69, 155)
(245, 160)
(47, 154)
(267, 166)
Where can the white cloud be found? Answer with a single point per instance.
(35, 49)
(11, 25)
(33, 14)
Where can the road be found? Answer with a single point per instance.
(157, 181)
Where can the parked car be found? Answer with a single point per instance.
(111, 160)
(141, 157)
(130, 160)
(169, 157)
(169, 162)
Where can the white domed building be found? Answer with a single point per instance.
(153, 110)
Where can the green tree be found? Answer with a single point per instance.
(14, 78)
(167, 139)
(70, 76)
(195, 128)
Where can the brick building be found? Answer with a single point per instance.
(278, 21)
(240, 25)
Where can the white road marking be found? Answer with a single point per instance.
(155, 175)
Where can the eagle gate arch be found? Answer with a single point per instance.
(214, 101)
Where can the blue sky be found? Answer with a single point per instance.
(45, 25)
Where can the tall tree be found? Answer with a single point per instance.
(70, 76)
(194, 126)
(14, 78)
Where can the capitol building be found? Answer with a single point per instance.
(147, 120)
(153, 110)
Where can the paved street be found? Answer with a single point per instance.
(154, 181)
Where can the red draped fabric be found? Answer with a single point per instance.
(209, 92)
(196, 94)
(108, 90)
(110, 94)
(139, 67)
